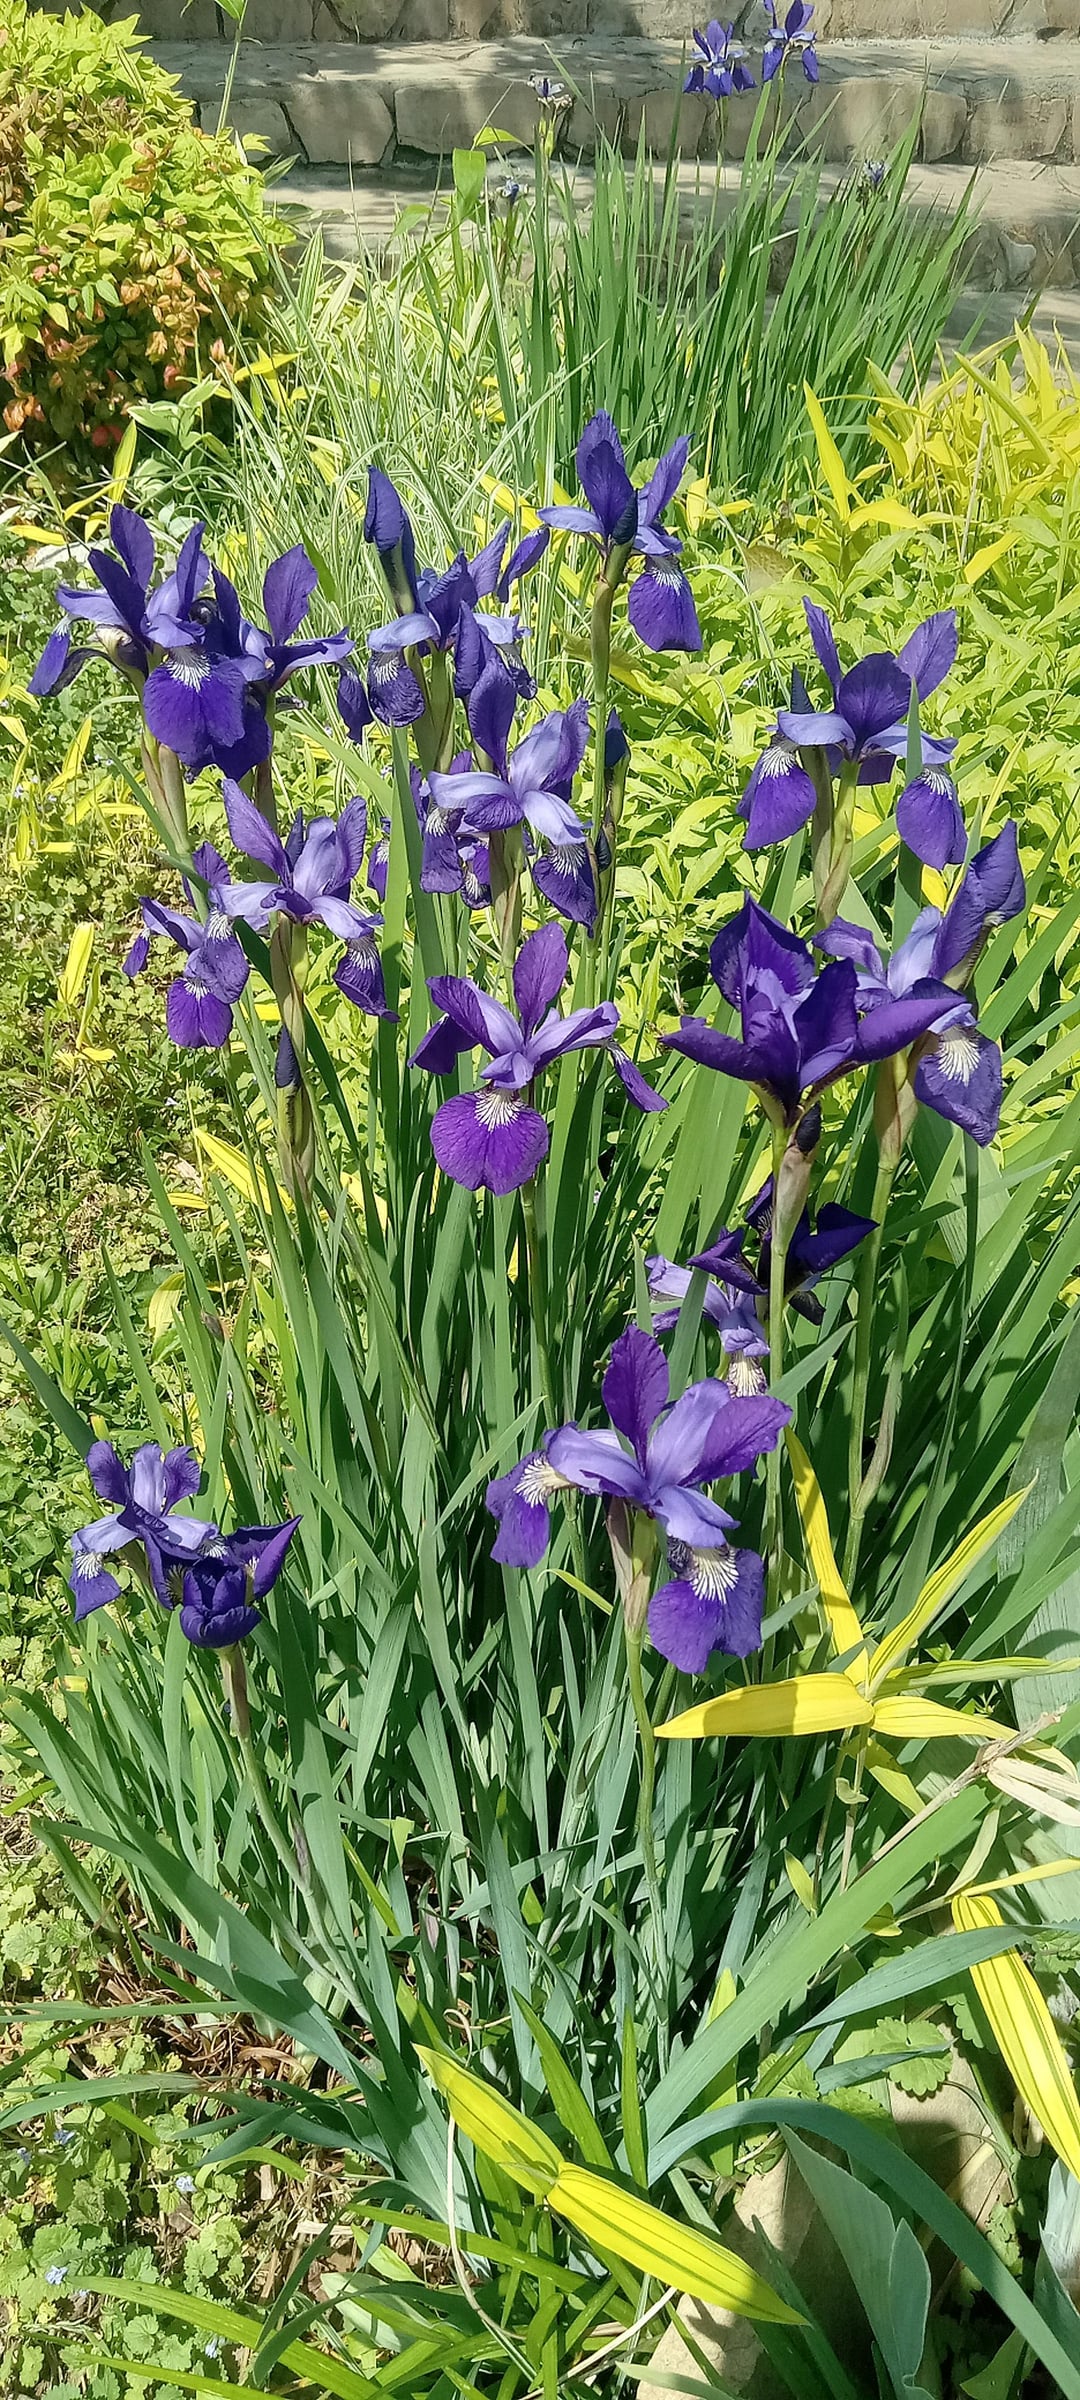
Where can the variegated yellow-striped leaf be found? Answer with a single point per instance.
(904, 1717)
(801, 1704)
(233, 1167)
(618, 2220)
(943, 1583)
(1025, 2033)
(832, 465)
(499, 2130)
(847, 1633)
(76, 964)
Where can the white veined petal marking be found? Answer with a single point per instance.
(86, 1566)
(497, 1108)
(958, 1053)
(188, 666)
(713, 1573)
(780, 759)
(743, 1376)
(362, 951)
(537, 1481)
(195, 985)
(218, 927)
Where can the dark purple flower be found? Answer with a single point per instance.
(145, 1508)
(799, 1025)
(779, 798)
(354, 707)
(378, 860)
(288, 585)
(656, 1458)
(867, 725)
(494, 1139)
(627, 521)
(720, 68)
(226, 1578)
(528, 786)
(929, 820)
(812, 1250)
(387, 526)
(907, 1001)
(991, 892)
(789, 38)
(200, 1002)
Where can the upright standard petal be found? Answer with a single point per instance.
(824, 641)
(251, 832)
(929, 653)
(287, 588)
(635, 1387)
(540, 971)
(602, 474)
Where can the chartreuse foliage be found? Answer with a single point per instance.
(431, 1836)
(134, 244)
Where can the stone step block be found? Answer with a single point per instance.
(364, 104)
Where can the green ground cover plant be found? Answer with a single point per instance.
(565, 1893)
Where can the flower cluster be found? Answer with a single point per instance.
(654, 1460)
(720, 70)
(213, 1578)
(206, 676)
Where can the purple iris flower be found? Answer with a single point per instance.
(789, 38)
(439, 610)
(811, 1252)
(312, 874)
(226, 1578)
(494, 1139)
(929, 819)
(378, 860)
(661, 605)
(721, 68)
(288, 585)
(732, 1312)
(989, 894)
(867, 726)
(354, 707)
(144, 1507)
(799, 1025)
(958, 1069)
(527, 786)
(201, 999)
(118, 609)
(656, 1458)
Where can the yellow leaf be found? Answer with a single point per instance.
(188, 1200)
(1025, 2033)
(77, 964)
(944, 1582)
(935, 890)
(801, 1882)
(233, 1167)
(1009, 1883)
(832, 465)
(694, 2262)
(883, 512)
(499, 2130)
(99, 1058)
(981, 561)
(847, 1633)
(802, 1704)
(164, 1305)
(906, 1717)
(695, 501)
(123, 464)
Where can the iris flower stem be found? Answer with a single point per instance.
(600, 654)
(538, 1296)
(635, 1636)
(777, 1264)
(296, 1121)
(851, 1815)
(864, 1328)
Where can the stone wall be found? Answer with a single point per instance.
(480, 20)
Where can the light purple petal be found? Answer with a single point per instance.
(596, 1462)
(930, 652)
(250, 831)
(486, 1022)
(824, 641)
(287, 588)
